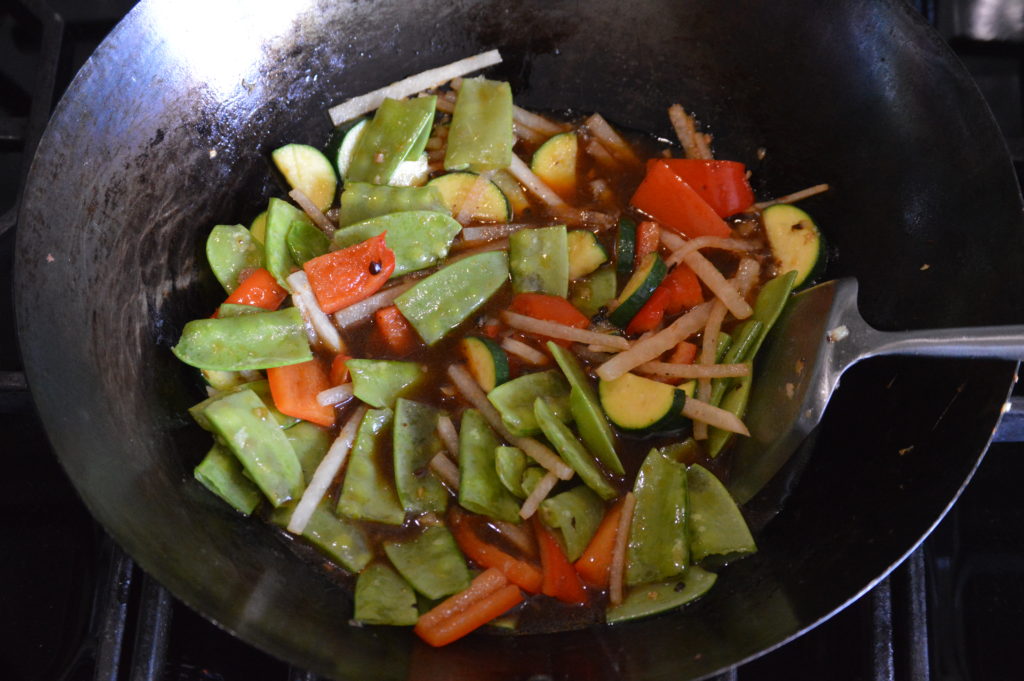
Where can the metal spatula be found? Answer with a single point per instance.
(820, 335)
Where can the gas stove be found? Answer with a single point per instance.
(75, 607)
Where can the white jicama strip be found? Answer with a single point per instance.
(611, 140)
(335, 395)
(536, 121)
(617, 569)
(325, 473)
(794, 197)
(314, 213)
(523, 351)
(357, 106)
(686, 247)
(539, 494)
(544, 327)
(709, 348)
(305, 300)
(601, 155)
(491, 232)
(472, 198)
(543, 455)
(361, 311)
(695, 144)
(447, 471)
(449, 436)
(672, 370)
(747, 273)
(697, 410)
(527, 134)
(672, 240)
(651, 347)
(537, 187)
(496, 245)
(722, 289)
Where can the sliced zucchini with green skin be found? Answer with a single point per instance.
(649, 599)
(636, 403)
(514, 400)
(485, 360)
(518, 201)
(258, 227)
(539, 260)
(306, 242)
(638, 289)
(510, 464)
(379, 382)
(576, 514)
(383, 597)
(308, 170)
(571, 451)
(714, 522)
(625, 248)
(431, 562)
(555, 163)
(794, 239)
(348, 146)
(491, 204)
(596, 291)
(585, 253)
(231, 251)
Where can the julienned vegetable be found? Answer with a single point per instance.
(470, 369)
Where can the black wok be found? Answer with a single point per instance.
(167, 129)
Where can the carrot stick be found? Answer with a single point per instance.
(339, 370)
(295, 387)
(341, 278)
(595, 564)
(395, 331)
(518, 572)
(482, 586)
(259, 289)
(560, 578)
(475, 616)
(684, 353)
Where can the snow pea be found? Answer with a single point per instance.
(481, 135)
(415, 443)
(445, 299)
(735, 402)
(305, 242)
(379, 382)
(514, 400)
(431, 562)
(234, 310)
(532, 477)
(368, 492)
(658, 548)
(255, 341)
(648, 599)
(261, 388)
(592, 293)
(388, 139)
(362, 201)
(684, 451)
(480, 489)
(280, 216)
(571, 451)
(310, 443)
(242, 422)
(230, 251)
(510, 463)
(539, 260)
(714, 522)
(340, 539)
(221, 473)
(419, 238)
(576, 513)
(383, 597)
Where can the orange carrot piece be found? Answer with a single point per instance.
(482, 586)
(560, 578)
(648, 238)
(259, 289)
(339, 370)
(594, 566)
(517, 571)
(395, 331)
(295, 387)
(475, 616)
(341, 278)
(684, 353)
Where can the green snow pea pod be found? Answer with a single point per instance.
(280, 216)
(362, 201)
(383, 597)
(539, 260)
(571, 451)
(388, 139)
(445, 299)
(230, 251)
(576, 513)
(716, 526)
(368, 492)
(682, 452)
(379, 382)
(514, 400)
(233, 310)
(221, 473)
(243, 424)
(255, 341)
(261, 388)
(648, 599)
(481, 135)
(305, 242)
(532, 477)
(310, 443)
(418, 238)
(415, 443)
(658, 548)
(480, 489)
(341, 540)
(431, 562)
(735, 402)
(510, 464)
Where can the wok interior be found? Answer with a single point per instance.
(133, 172)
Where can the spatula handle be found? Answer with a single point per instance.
(993, 342)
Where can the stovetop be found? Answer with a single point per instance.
(74, 606)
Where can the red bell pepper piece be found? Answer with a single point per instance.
(648, 238)
(259, 289)
(678, 291)
(684, 353)
(723, 184)
(560, 578)
(340, 278)
(670, 200)
(549, 308)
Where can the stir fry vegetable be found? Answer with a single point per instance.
(503, 365)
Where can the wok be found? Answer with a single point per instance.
(167, 129)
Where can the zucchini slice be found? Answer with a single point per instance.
(555, 163)
(308, 170)
(585, 253)
(795, 240)
(625, 247)
(638, 289)
(491, 204)
(639, 404)
(348, 146)
(591, 294)
(486, 361)
(258, 227)
(512, 190)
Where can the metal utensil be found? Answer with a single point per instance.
(819, 336)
